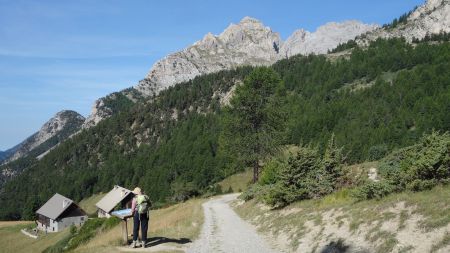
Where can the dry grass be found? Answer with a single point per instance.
(12, 240)
(175, 222)
(179, 221)
(88, 204)
(13, 223)
(238, 182)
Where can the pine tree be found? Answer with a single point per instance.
(254, 121)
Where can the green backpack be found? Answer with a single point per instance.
(143, 204)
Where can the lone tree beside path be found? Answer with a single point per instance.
(254, 121)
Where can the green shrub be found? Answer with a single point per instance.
(420, 166)
(377, 152)
(306, 175)
(59, 246)
(333, 160)
(277, 195)
(73, 230)
(421, 185)
(415, 168)
(110, 223)
(213, 190)
(182, 191)
(85, 233)
(373, 190)
(252, 192)
(271, 172)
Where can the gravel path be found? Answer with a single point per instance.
(224, 231)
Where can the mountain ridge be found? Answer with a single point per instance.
(248, 42)
(62, 122)
(430, 18)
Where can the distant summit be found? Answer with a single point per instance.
(57, 129)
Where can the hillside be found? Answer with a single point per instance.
(5, 154)
(54, 131)
(407, 222)
(429, 18)
(59, 127)
(170, 147)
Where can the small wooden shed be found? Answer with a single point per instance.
(59, 213)
(118, 196)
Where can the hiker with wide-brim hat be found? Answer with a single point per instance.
(140, 206)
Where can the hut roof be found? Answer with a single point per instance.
(113, 197)
(55, 206)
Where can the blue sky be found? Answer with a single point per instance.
(57, 55)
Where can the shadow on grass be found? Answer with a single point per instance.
(153, 241)
(336, 247)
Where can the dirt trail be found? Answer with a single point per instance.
(224, 231)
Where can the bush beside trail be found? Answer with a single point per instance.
(309, 175)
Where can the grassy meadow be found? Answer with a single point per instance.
(88, 204)
(238, 182)
(12, 240)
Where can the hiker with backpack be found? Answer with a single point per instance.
(140, 207)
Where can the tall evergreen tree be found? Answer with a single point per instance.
(254, 121)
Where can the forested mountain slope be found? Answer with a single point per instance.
(54, 131)
(379, 98)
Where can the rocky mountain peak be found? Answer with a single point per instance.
(247, 24)
(248, 42)
(326, 37)
(430, 18)
(427, 8)
(250, 20)
(62, 125)
(57, 123)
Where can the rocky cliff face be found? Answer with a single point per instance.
(61, 126)
(432, 17)
(99, 111)
(2, 155)
(324, 38)
(247, 43)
